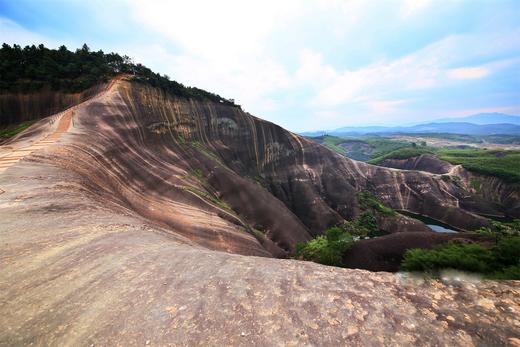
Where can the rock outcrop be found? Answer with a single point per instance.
(230, 181)
(486, 195)
(109, 238)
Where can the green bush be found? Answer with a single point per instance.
(327, 249)
(501, 261)
(364, 225)
(369, 201)
(508, 273)
(471, 257)
(500, 230)
(507, 251)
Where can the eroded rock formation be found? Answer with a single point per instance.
(108, 237)
(231, 181)
(486, 195)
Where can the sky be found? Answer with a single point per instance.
(305, 65)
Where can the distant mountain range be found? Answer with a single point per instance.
(478, 124)
(483, 118)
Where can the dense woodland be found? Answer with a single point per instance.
(33, 68)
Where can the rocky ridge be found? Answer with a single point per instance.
(114, 235)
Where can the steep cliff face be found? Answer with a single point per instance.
(230, 181)
(19, 107)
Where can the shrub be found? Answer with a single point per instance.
(501, 261)
(471, 257)
(508, 273)
(327, 249)
(369, 201)
(500, 230)
(507, 251)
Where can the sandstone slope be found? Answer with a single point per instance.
(109, 238)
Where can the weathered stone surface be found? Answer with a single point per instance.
(78, 273)
(177, 162)
(109, 236)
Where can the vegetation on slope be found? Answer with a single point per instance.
(326, 249)
(368, 201)
(498, 163)
(33, 68)
(12, 131)
(330, 248)
(403, 153)
(360, 148)
(504, 164)
(499, 261)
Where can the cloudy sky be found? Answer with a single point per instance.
(305, 65)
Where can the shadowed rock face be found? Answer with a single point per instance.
(19, 107)
(230, 181)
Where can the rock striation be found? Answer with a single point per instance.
(122, 232)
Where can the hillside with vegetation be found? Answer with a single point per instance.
(498, 260)
(360, 148)
(504, 164)
(35, 68)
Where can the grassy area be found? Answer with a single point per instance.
(500, 260)
(497, 163)
(332, 142)
(504, 164)
(10, 132)
(361, 148)
(403, 153)
(383, 145)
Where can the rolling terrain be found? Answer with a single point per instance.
(140, 217)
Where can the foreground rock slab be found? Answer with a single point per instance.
(74, 273)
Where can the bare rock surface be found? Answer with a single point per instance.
(111, 237)
(75, 273)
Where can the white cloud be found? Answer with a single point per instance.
(412, 7)
(468, 73)
(222, 45)
(385, 106)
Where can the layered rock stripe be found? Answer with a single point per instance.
(122, 233)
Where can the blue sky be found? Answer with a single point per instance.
(305, 65)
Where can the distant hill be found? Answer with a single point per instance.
(447, 128)
(466, 128)
(477, 124)
(484, 118)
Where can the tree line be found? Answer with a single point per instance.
(33, 68)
